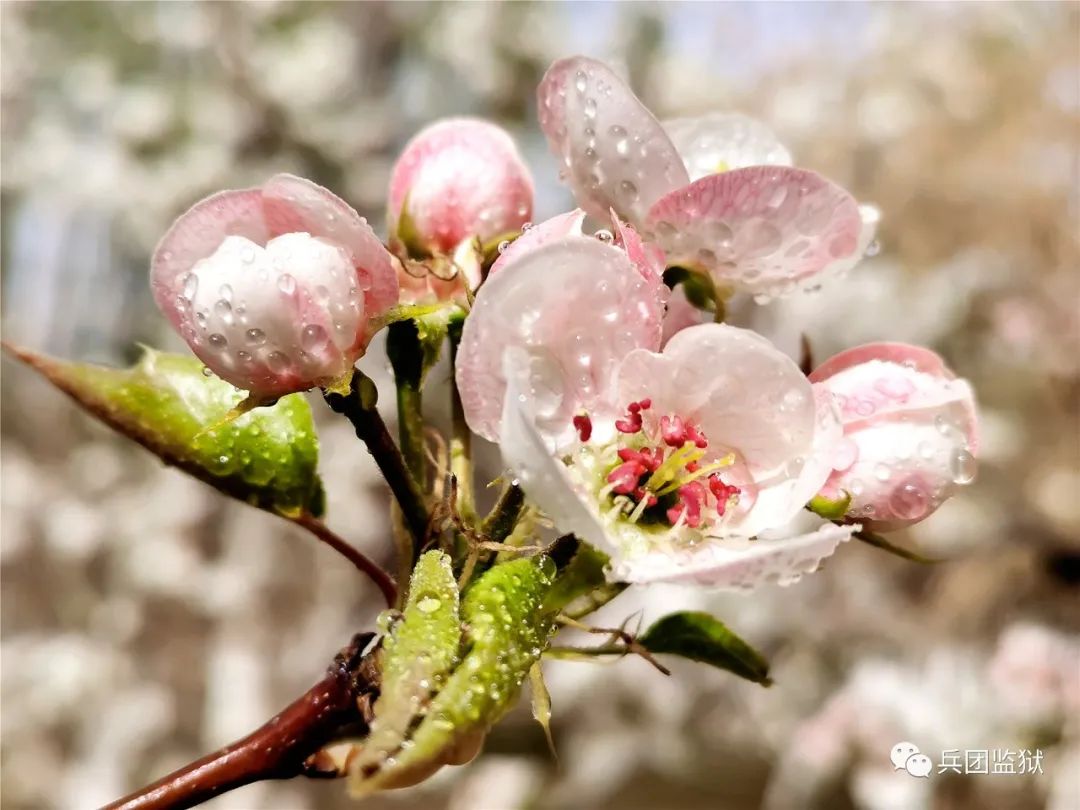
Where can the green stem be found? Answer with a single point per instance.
(461, 437)
(358, 406)
(403, 348)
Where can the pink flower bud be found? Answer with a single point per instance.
(458, 179)
(910, 432)
(274, 288)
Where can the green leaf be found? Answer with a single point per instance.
(541, 703)
(418, 653)
(506, 629)
(266, 457)
(700, 637)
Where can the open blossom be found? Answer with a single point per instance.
(910, 432)
(717, 192)
(689, 464)
(274, 288)
(458, 179)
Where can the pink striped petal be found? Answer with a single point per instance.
(614, 152)
(765, 230)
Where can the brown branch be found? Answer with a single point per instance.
(373, 570)
(358, 406)
(337, 706)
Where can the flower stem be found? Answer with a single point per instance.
(373, 570)
(461, 438)
(358, 406)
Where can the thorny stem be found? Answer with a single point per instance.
(358, 406)
(374, 571)
(285, 747)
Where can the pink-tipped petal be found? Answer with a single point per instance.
(765, 229)
(647, 258)
(720, 142)
(196, 234)
(461, 178)
(575, 307)
(560, 225)
(781, 561)
(294, 204)
(911, 427)
(614, 152)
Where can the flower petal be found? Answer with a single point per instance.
(615, 153)
(196, 234)
(764, 229)
(295, 204)
(576, 307)
(550, 229)
(543, 477)
(460, 178)
(720, 142)
(711, 564)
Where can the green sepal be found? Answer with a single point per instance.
(418, 652)
(407, 235)
(701, 637)
(828, 508)
(266, 456)
(414, 343)
(506, 630)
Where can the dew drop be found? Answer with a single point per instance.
(962, 465)
(581, 81)
(429, 604)
(206, 372)
(225, 292)
(313, 337)
(191, 286)
(218, 341)
(873, 249)
(628, 190)
(255, 337)
(223, 309)
(277, 362)
(882, 472)
(604, 236)
(503, 245)
(287, 284)
(909, 502)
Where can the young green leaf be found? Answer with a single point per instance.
(418, 653)
(266, 457)
(700, 637)
(541, 703)
(506, 631)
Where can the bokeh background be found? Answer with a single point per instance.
(145, 620)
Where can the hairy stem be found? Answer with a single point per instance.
(358, 406)
(365, 564)
(339, 704)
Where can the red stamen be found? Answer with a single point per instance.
(723, 493)
(646, 457)
(693, 434)
(641, 494)
(583, 425)
(691, 497)
(673, 431)
(645, 404)
(626, 476)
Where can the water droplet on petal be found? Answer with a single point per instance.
(255, 337)
(218, 341)
(191, 286)
(277, 362)
(962, 465)
(287, 284)
(313, 337)
(206, 372)
(909, 502)
(503, 245)
(604, 236)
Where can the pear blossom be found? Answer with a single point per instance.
(690, 464)
(458, 179)
(910, 432)
(717, 193)
(276, 289)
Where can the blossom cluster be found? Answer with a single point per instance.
(684, 448)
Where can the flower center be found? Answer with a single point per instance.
(654, 471)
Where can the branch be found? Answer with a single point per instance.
(358, 406)
(336, 706)
(365, 564)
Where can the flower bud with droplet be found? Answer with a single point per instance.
(274, 288)
(910, 430)
(458, 179)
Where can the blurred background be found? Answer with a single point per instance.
(145, 620)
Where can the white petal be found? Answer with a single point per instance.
(765, 230)
(720, 142)
(780, 561)
(543, 478)
(615, 153)
(576, 306)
